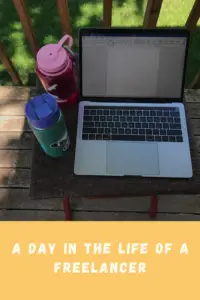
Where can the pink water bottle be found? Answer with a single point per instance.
(55, 68)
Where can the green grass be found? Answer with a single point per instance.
(47, 27)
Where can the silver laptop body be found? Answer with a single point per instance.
(131, 119)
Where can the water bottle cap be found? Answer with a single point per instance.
(53, 58)
(42, 111)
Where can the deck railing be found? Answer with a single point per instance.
(150, 20)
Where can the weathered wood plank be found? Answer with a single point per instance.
(16, 108)
(9, 66)
(195, 145)
(125, 216)
(15, 178)
(107, 13)
(134, 204)
(196, 167)
(196, 82)
(193, 16)
(16, 140)
(13, 123)
(152, 13)
(15, 158)
(193, 110)
(195, 126)
(26, 24)
(63, 11)
(8, 93)
(179, 203)
(34, 215)
(191, 95)
(31, 215)
(12, 198)
(19, 199)
(13, 108)
(167, 204)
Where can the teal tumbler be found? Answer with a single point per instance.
(48, 125)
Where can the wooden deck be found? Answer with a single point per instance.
(15, 167)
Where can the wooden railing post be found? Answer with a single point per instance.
(193, 16)
(26, 24)
(152, 13)
(107, 13)
(63, 11)
(9, 66)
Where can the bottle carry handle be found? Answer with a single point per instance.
(68, 40)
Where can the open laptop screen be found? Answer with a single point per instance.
(130, 65)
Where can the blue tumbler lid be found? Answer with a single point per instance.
(42, 111)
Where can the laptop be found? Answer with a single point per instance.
(131, 117)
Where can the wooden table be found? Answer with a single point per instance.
(92, 187)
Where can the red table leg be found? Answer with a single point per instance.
(67, 211)
(153, 206)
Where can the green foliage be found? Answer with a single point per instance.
(47, 27)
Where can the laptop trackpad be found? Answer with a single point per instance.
(132, 159)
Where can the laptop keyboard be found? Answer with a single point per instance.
(151, 124)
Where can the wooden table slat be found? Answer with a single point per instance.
(32, 215)
(14, 123)
(17, 199)
(14, 178)
(15, 158)
(17, 93)
(16, 140)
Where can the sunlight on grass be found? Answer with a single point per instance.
(50, 39)
(127, 14)
(46, 24)
(22, 59)
(21, 56)
(174, 13)
(88, 11)
(17, 26)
